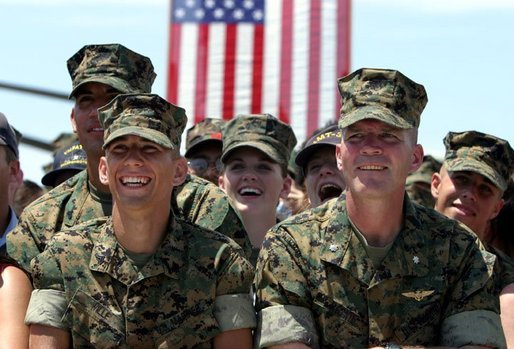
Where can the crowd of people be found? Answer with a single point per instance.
(353, 239)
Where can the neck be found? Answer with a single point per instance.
(94, 176)
(379, 220)
(141, 231)
(257, 226)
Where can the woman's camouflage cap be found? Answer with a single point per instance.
(487, 155)
(260, 131)
(381, 94)
(145, 115)
(113, 65)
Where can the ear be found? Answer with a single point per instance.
(73, 121)
(417, 157)
(15, 173)
(180, 171)
(286, 188)
(102, 171)
(339, 157)
(221, 181)
(434, 185)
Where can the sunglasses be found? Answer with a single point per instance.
(201, 165)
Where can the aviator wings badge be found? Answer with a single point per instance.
(417, 295)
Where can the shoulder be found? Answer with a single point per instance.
(198, 235)
(196, 186)
(57, 197)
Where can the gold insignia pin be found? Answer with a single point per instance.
(417, 295)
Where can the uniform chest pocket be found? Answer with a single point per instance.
(193, 327)
(93, 323)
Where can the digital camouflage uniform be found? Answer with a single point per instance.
(185, 295)
(76, 201)
(318, 283)
(195, 286)
(418, 183)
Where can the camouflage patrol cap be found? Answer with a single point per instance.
(207, 130)
(381, 94)
(8, 135)
(113, 65)
(68, 158)
(487, 155)
(424, 172)
(260, 131)
(330, 135)
(145, 115)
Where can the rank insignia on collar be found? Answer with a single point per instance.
(417, 295)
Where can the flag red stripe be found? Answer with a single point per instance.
(313, 81)
(258, 66)
(229, 76)
(201, 72)
(344, 10)
(174, 62)
(286, 58)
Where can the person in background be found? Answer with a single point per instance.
(418, 183)
(15, 289)
(203, 149)
(27, 192)
(469, 188)
(68, 161)
(143, 278)
(10, 173)
(297, 199)
(317, 159)
(99, 73)
(371, 269)
(256, 150)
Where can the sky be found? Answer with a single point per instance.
(461, 50)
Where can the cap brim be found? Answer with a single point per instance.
(146, 133)
(195, 144)
(115, 82)
(266, 149)
(303, 156)
(375, 112)
(49, 178)
(479, 167)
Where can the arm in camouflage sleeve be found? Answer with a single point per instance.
(283, 297)
(472, 314)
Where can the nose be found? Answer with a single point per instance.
(328, 169)
(469, 192)
(371, 146)
(133, 158)
(249, 175)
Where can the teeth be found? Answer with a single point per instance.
(97, 129)
(329, 186)
(251, 191)
(134, 180)
(372, 168)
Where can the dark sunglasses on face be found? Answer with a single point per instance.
(201, 165)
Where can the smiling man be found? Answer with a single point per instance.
(99, 73)
(143, 278)
(469, 188)
(371, 269)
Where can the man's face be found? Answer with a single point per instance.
(140, 173)
(253, 182)
(323, 179)
(205, 161)
(467, 197)
(84, 116)
(376, 158)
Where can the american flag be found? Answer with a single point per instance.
(282, 57)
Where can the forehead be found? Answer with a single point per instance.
(249, 153)
(323, 152)
(131, 139)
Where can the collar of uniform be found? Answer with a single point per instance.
(109, 257)
(81, 206)
(341, 247)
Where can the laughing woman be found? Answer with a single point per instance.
(15, 289)
(256, 150)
